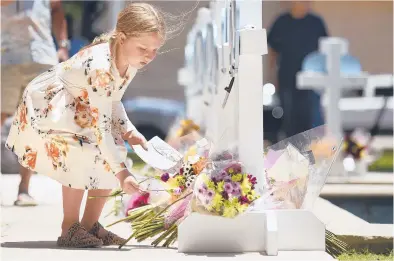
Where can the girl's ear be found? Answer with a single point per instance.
(122, 37)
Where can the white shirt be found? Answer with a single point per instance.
(26, 33)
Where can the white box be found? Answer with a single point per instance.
(265, 232)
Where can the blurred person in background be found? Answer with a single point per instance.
(291, 38)
(28, 49)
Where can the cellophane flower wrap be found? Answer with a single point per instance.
(296, 169)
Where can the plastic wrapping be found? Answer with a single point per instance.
(296, 169)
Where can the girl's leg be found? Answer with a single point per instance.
(73, 234)
(92, 214)
(94, 207)
(72, 199)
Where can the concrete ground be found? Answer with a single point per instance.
(30, 233)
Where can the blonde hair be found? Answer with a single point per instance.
(138, 18)
(135, 19)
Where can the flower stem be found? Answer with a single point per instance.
(164, 235)
(158, 214)
(170, 239)
(135, 214)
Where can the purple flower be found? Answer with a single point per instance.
(177, 191)
(225, 195)
(227, 179)
(236, 192)
(223, 174)
(252, 179)
(216, 177)
(228, 187)
(165, 177)
(236, 189)
(243, 199)
(236, 185)
(210, 194)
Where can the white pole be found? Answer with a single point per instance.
(249, 87)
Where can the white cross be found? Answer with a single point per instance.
(333, 82)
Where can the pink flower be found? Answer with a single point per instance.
(228, 187)
(177, 212)
(137, 200)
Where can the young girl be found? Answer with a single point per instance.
(71, 124)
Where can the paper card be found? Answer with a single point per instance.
(160, 155)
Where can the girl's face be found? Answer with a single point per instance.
(141, 50)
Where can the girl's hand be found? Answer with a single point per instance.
(136, 138)
(128, 183)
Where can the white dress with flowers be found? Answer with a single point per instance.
(70, 120)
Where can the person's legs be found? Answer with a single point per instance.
(12, 85)
(92, 214)
(94, 207)
(24, 198)
(26, 73)
(288, 123)
(304, 110)
(72, 199)
(73, 234)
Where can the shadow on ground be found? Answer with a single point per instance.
(52, 245)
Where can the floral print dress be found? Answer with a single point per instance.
(70, 121)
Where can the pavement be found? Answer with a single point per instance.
(30, 233)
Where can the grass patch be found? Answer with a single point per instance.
(384, 163)
(365, 256)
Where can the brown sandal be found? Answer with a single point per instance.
(78, 237)
(109, 238)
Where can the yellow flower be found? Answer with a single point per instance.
(245, 187)
(234, 201)
(237, 177)
(220, 187)
(217, 202)
(211, 185)
(175, 182)
(250, 197)
(241, 208)
(230, 170)
(229, 212)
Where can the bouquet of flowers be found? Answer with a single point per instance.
(203, 182)
(224, 190)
